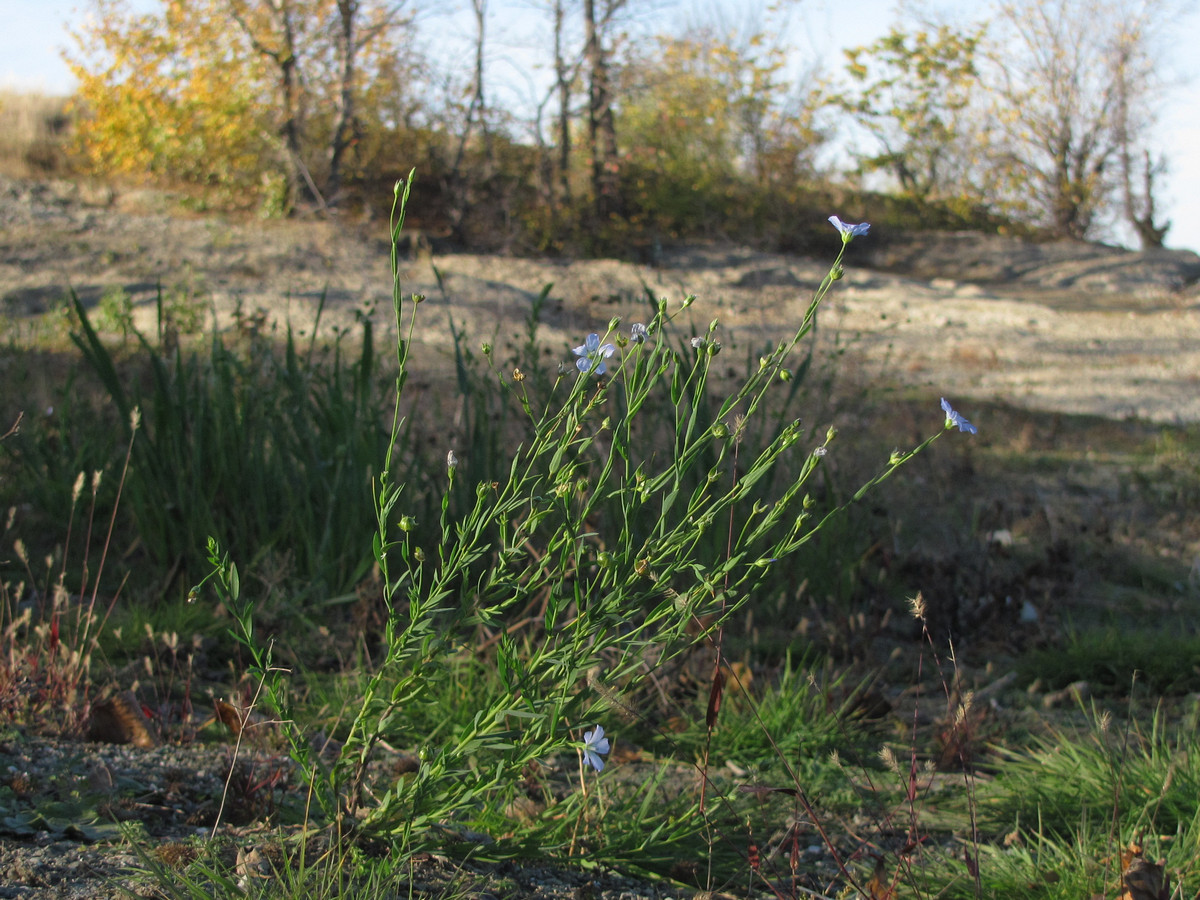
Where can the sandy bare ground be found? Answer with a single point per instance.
(1071, 328)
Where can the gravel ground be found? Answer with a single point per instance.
(1067, 327)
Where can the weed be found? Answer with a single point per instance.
(49, 632)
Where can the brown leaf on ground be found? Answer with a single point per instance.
(236, 718)
(229, 716)
(1142, 879)
(121, 720)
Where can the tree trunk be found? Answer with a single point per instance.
(602, 131)
(456, 184)
(343, 124)
(1150, 235)
(562, 75)
(281, 50)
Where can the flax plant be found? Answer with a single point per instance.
(585, 567)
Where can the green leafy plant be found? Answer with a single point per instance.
(587, 563)
(274, 446)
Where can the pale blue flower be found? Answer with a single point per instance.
(953, 419)
(592, 355)
(638, 333)
(595, 744)
(849, 232)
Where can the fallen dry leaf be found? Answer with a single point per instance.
(1142, 879)
(229, 716)
(121, 720)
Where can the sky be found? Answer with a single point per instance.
(34, 35)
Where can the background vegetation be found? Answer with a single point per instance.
(1039, 115)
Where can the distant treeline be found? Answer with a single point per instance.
(1039, 117)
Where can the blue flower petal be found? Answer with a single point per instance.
(848, 230)
(954, 419)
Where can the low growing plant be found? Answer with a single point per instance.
(584, 568)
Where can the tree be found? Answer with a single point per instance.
(170, 94)
(457, 184)
(911, 92)
(565, 73)
(275, 31)
(602, 130)
(1137, 87)
(1067, 77)
(358, 28)
(704, 111)
(255, 97)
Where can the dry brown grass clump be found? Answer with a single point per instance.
(34, 131)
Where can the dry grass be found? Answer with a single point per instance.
(34, 133)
